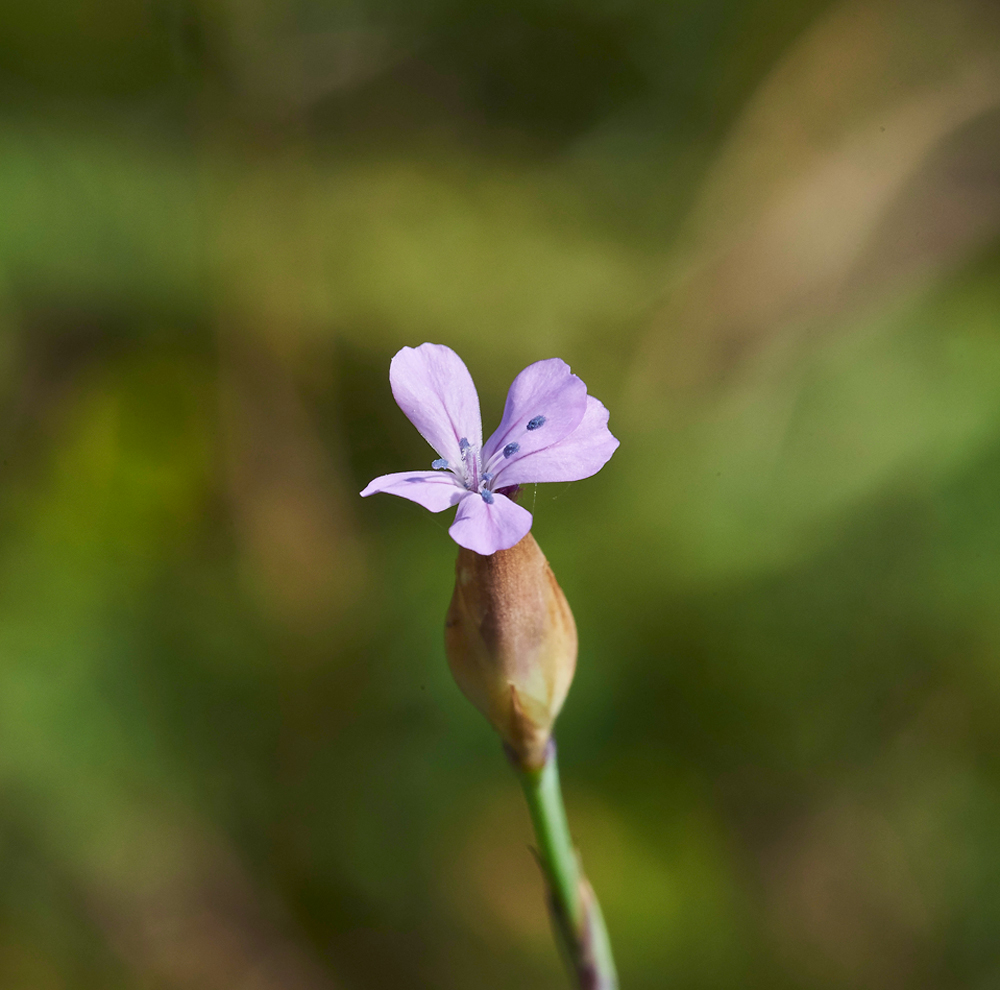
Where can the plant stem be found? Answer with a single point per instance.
(576, 915)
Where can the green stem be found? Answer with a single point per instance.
(576, 915)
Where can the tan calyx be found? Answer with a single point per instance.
(511, 643)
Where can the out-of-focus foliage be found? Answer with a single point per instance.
(765, 233)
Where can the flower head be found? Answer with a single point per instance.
(551, 430)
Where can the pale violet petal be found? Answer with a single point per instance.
(545, 404)
(489, 527)
(432, 386)
(433, 490)
(583, 453)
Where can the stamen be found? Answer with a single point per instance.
(470, 459)
(512, 448)
(488, 477)
(534, 424)
(440, 464)
(487, 496)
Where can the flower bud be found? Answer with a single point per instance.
(511, 644)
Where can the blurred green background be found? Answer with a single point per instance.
(766, 233)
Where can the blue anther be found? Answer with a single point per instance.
(511, 449)
(488, 476)
(463, 446)
(487, 496)
(538, 421)
(440, 464)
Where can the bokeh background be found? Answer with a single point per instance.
(766, 233)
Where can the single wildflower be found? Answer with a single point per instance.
(551, 430)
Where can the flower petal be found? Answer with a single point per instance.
(583, 453)
(434, 490)
(433, 387)
(544, 405)
(488, 527)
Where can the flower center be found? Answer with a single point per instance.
(468, 471)
(470, 462)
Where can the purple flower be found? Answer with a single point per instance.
(551, 431)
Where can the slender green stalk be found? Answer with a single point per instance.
(576, 915)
